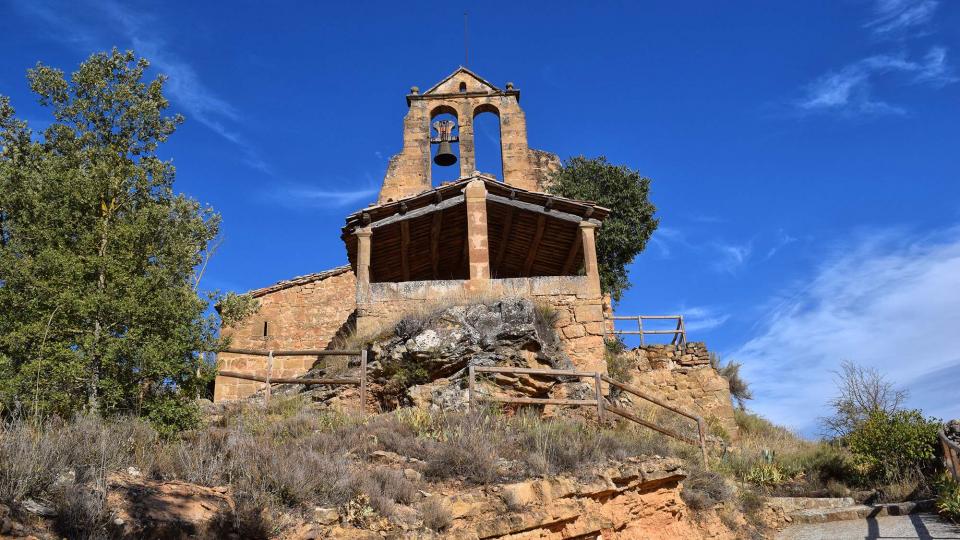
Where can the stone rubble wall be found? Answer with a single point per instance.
(305, 316)
(683, 377)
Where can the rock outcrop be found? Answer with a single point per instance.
(423, 361)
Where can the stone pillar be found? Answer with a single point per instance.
(363, 265)
(468, 159)
(513, 146)
(589, 243)
(478, 253)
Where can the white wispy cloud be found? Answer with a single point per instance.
(849, 90)
(783, 240)
(892, 18)
(731, 257)
(298, 196)
(888, 299)
(184, 85)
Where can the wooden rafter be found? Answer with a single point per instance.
(571, 263)
(535, 244)
(543, 211)
(435, 227)
(405, 249)
(504, 238)
(435, 207)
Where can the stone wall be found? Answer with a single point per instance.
(303, 313)
(683, 377)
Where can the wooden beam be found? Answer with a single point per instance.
(504, 238)
(283, 380)
(530, 207)
(534, 244)
(321, 352)
(668, 432)
(643, 395)
(536, 401)
(434, 207)
(570, 264)
(435, 242)
(534, 371)
(404, 249)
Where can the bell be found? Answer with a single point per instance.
(445, 156)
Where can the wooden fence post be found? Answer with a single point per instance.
(701, 429)
(640, 329)
(470, 377)
(599, 394)
(363, 382)
(269, 375)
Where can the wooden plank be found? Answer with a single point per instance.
(404, 250)
(536, 208)
(504, 238)
(641, 394)
(534, 371)
(363, 382)
(281, 380)
(422, 211)
(534, 244)
(568, 265)
(599, 395)
(309, 352)
(645, 332)
(642, 422)
(538, 401)
(435, 229)
(470, 384)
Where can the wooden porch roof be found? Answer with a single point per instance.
(423, 237)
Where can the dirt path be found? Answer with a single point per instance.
(922, 526)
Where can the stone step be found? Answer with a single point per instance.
(860, 511)
(794, 504)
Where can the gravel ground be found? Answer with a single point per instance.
(923, 526)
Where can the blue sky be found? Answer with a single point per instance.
(804, 155)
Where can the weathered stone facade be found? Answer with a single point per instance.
(464, 95)
(302, 313)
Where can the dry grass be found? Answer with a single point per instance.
(283, 459)
(779, 462)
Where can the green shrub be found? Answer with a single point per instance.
(890, 447)
(948, 498)
(172, 414)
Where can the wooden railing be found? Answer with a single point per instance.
(599, 402)
(951, 455)
(269, 379)
(679, 333)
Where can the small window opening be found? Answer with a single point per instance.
(463, 87)
(264, 328)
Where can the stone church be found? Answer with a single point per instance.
(421, 244)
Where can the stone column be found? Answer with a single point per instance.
(468, 159)
(589, 243)
(363, 265)
(478, 253)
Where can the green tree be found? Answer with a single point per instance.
(98, 255)
(625, 233)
